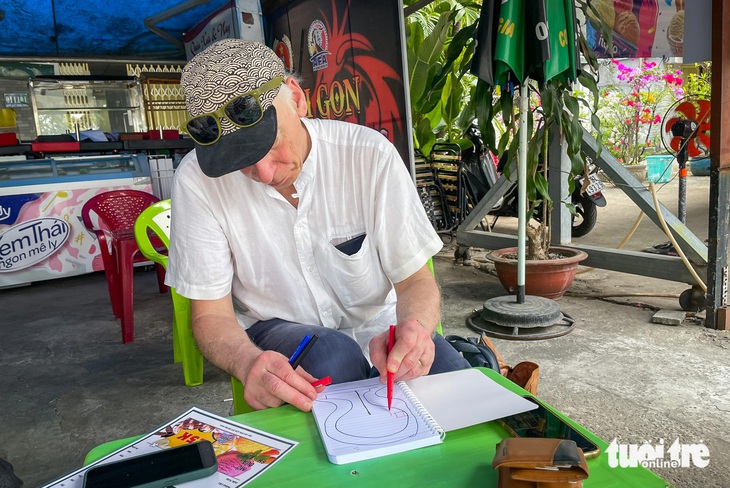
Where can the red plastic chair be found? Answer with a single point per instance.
(111, 216)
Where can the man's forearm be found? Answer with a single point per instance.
(222, 340)
(267, 375)
(419, 298)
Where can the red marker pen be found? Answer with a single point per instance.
(391, 341)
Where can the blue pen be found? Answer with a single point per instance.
(301, 347)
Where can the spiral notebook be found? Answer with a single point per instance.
(355, 424)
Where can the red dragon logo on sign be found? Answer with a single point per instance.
(356, 81)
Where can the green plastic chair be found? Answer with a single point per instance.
(239, 404)
(155, 220)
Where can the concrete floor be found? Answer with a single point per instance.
(68, 384)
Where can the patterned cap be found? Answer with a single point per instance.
(214, 76)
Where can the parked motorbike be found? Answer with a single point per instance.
(481, 175)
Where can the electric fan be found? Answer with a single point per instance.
(686, 128)
(686, 134)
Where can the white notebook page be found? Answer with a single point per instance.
(355, 424)
(466, 397)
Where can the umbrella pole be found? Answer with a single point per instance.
(522, 191)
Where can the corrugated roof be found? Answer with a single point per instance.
(96, 29)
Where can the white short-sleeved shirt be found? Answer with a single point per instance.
(232, 234)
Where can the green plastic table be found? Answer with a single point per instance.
(463, 459)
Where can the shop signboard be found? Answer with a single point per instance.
(640, 29)
(350, 56)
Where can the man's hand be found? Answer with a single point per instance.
(268, 377)
(411, 356)
(270, 382)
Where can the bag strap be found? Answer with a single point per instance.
(475, 353)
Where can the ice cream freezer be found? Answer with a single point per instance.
(42, 234)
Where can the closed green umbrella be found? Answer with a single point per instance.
(564, 59)
(518, 40)
(521, 39)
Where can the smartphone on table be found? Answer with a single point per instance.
(159, 469)
(543, 422)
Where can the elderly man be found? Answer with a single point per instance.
(285, 226)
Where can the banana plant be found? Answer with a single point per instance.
(440, 46)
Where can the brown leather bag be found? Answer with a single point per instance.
(525, 462)
(525, 374)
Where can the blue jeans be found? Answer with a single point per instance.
(335, 354)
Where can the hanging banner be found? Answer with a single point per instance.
(640, 28)
(220, 24)
(239, 19)
(350, 57)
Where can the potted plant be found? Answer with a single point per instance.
(444, 95)
(549, 270)
(631, 108)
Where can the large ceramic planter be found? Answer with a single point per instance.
(549, 278)
(637, 170)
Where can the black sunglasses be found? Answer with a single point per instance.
(242, 111)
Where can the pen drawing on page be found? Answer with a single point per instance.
(358, 415)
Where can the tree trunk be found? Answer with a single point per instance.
(537, 242)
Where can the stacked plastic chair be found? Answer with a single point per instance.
(111, 216)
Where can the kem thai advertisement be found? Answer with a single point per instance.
(42, 236)
(350, 57)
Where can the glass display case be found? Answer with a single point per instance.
(63, 170)
(63, 104)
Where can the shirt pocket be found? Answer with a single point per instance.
(356, 279)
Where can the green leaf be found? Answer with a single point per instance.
(570, 207)
(572, 129)
(435, 116)
(433, 96)
(465, 117)
(505, 142)
(483, 110)
(433, 45)
(596, 122)
(425, 136)
(427, 55)
(459, 42)
(507, 108)
(541, 185)
(464, 144)
(428, 145)
(414, 41)
(451, 102)
(548, 101)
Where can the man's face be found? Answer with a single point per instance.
(283, 163)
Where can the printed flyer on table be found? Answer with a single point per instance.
(243, 453)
